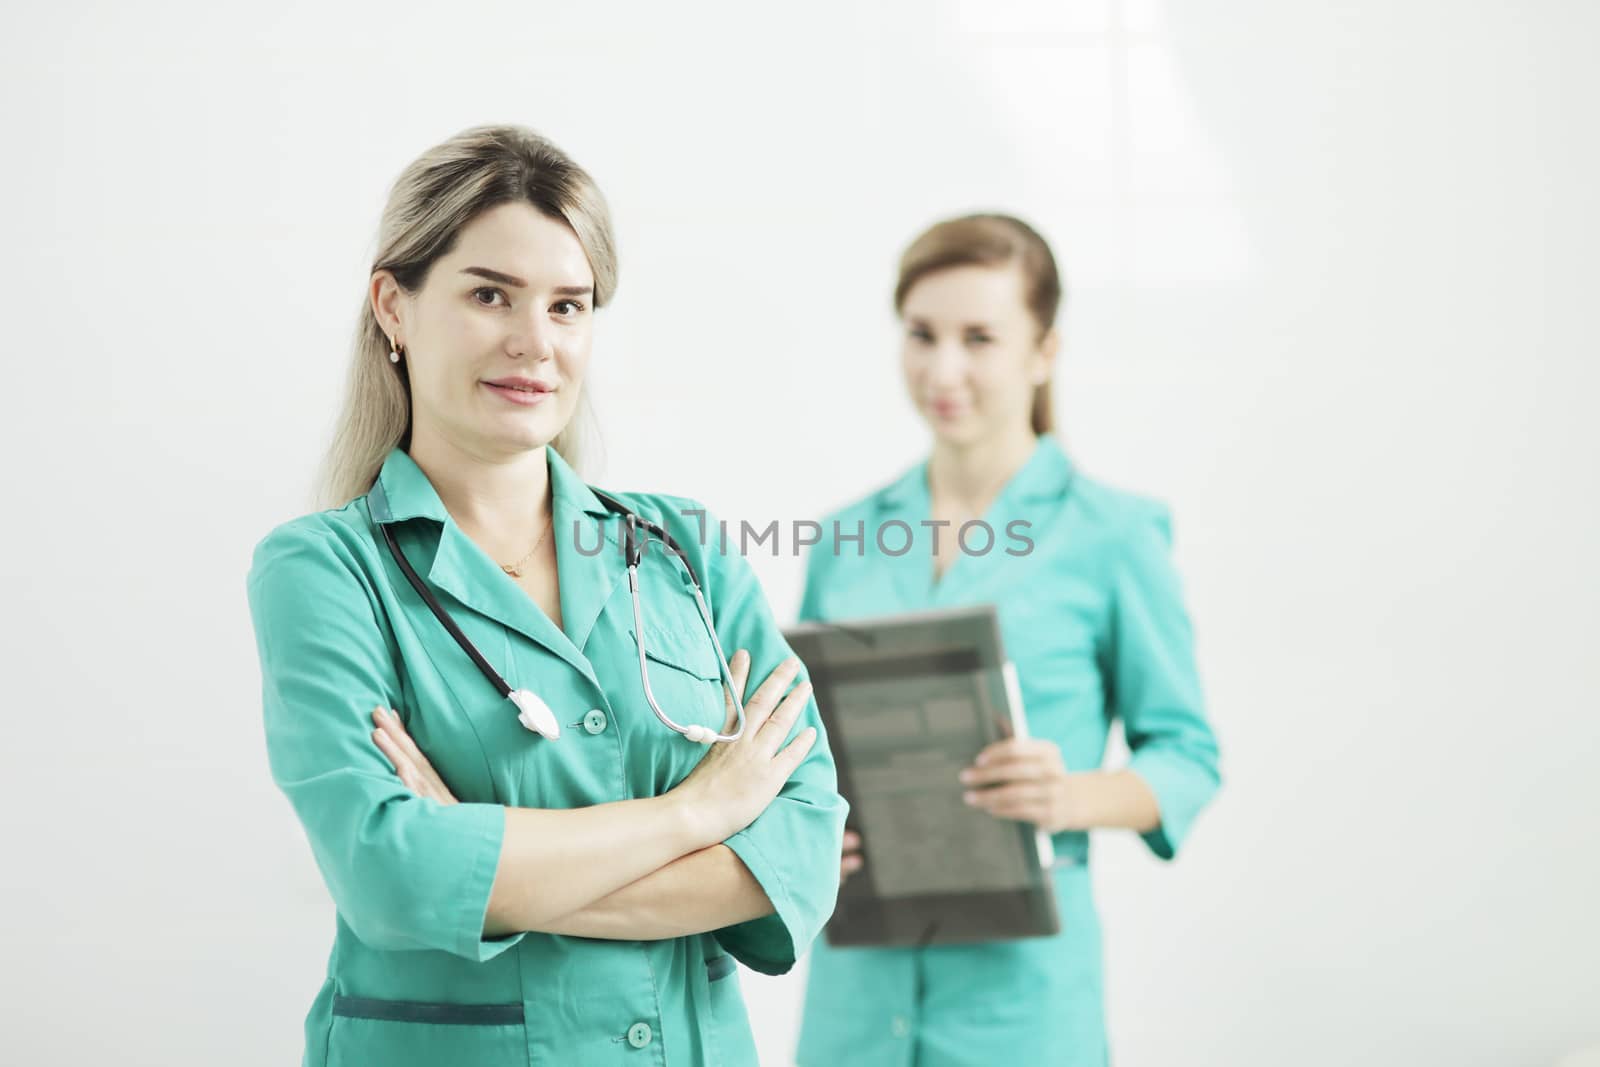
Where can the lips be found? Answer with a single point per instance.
(523, 392)
(522, 385)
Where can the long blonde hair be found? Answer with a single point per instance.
(992, 241)
(439, 193)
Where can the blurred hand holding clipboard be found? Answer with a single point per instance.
(908, 701)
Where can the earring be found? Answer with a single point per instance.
(394, 352)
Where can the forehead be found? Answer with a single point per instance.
(967, 294)
(520, 239)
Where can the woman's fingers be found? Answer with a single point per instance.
(849, 864)
(781, 721)
(765, 699)
(386, 745)
(1004, 749)
(850, 858)
(397, 729)
(397, 758)
(769, 702)
(1013, 748)
(1025, 802)
(414, 768)
(1011, 769)
(790, 757)
(1014, 760)
(390, 725)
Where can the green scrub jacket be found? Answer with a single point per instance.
(411, 978)
(1093, 618)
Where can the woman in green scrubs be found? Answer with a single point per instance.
(1091, 614)
(514, 897)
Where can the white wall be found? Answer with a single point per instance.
(1329, 269)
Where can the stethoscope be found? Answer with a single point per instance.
(533, 712)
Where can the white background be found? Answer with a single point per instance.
(1330, 269)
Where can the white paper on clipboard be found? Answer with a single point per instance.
(1019, 730)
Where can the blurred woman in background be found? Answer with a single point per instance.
(1092, 617)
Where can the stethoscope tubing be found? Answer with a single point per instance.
(634, 552)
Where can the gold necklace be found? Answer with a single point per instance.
(515, 569)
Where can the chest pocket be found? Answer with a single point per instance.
(685, 676)
(687, 684)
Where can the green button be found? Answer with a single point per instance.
(595, 721)
(639, 1035)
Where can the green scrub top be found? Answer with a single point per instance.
(1093, 618)
(411, 978)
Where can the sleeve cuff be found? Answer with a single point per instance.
(1179, 795)
(485, 831)
(767, 944)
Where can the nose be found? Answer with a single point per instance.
(532, 336)
(947, 364)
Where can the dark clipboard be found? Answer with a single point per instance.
(907, 700)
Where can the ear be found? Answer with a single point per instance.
(387, 301)
(1044, 362)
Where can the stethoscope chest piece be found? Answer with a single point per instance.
(534, 713)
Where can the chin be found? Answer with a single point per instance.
(958, 431)
(530, 435)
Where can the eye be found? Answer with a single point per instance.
(574, 307)
(918, 333)
(489, 289)
(979, 339)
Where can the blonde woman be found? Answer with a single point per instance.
(495, 696)
(1092, 616)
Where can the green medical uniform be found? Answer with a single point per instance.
(1091, 614)
(412, 979)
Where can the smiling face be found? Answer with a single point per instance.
(972, 354)
(496, 341)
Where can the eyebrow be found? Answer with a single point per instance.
(968, 326)
(516, 282)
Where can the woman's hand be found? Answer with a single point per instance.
(409, 762)
(1025, 780)
(736, 780)
(850, 858)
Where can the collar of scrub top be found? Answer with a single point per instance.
(402, 492)
(402, 496)
(1046, 478)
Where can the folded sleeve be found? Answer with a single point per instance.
(405, 872)
(1155, 683)
(793, 847)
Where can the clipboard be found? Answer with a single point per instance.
(908, 700)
